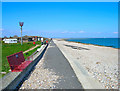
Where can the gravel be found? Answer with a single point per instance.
(41, 78)
(100, 62)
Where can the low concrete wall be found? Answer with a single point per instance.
(13, 79)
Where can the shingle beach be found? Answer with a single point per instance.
(100, 62)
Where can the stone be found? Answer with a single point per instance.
(3, 73)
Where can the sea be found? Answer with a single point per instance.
(109, 42)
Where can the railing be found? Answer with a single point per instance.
(30, 58)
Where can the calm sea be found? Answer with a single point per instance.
(111, 42)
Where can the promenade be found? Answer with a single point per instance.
(96, 67)
(52, 72)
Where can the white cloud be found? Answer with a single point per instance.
(1, 29)
(98, 32)
(68, 32)
(64, 32)
(115, 32)
(72, 32)
(81, 31)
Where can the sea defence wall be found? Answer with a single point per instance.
(12, 80)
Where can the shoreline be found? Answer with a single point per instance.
(100, 63)
(91, 44)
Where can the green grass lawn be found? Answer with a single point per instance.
(30, 52)
(8, 49)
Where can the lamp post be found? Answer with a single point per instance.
(21, 24)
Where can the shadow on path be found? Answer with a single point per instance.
(76, 47)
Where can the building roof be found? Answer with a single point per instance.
(9, 39)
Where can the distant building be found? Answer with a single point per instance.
(23, 39)
(0, 39)
(29, 38)
(34, 38)
(10, 40)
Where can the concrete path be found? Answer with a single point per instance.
(87, 81)
(31, 49)
(55, 60)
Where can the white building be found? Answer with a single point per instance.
(41, 39)
(10, 40)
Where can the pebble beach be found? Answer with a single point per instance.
(41, 78)
(100, 62)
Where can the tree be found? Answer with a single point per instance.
(25, 37)
(10, 37)
(5, 36)
(15, 36)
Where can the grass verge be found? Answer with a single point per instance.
(8, 49)
(31, 52)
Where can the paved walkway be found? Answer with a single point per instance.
(55, 60)
(52, 71)
(31, 49)
(80, 58)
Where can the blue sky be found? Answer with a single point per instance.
(61, 19)
(60, 0)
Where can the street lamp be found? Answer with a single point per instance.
(21, 24)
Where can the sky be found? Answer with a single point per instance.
(60, 0)
(60, 19)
